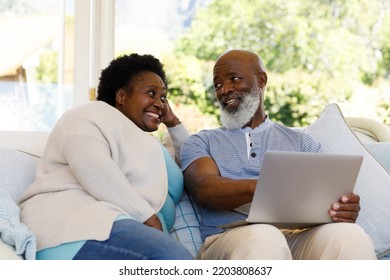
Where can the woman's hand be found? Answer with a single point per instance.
(154, 222)
(347, 209)
(168, 117)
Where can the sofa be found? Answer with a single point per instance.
(20, 152)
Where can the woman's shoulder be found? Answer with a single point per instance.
(93, 107)
(96, 114)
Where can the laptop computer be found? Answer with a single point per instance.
(297, 189)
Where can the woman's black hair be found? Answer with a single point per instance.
(122, 70)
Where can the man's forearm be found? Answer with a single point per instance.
(222, 193)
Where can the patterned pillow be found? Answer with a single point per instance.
(186, 228)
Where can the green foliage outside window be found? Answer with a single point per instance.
(316, 52)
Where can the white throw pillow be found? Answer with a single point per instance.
(373, 183)
(17, 171)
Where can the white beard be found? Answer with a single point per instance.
(246, 110)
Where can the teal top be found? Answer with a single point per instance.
(167, 214)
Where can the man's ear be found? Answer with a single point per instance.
(262, 76)
(120, 96)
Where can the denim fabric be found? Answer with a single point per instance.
(131, 240)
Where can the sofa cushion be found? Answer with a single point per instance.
(373, 183)
(17, 171)
(7, 252)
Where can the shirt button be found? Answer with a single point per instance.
(253, 154)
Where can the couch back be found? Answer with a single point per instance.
(32, 142)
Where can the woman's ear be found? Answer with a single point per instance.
(120, 96)
(262, 76)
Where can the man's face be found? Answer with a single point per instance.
(241, 116)
(236, 89)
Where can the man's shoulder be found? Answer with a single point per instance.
(298, 135)
(288, 129)
(207, 137)
(209, 132)
(295, 132)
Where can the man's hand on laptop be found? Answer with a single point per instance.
(347, 209)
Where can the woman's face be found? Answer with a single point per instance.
(143, 100)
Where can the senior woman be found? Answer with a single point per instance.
(105, 188)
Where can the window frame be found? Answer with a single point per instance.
(94, 46)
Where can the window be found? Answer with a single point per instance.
(36, 72)
(55, 49)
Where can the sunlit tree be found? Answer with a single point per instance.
(316, 51)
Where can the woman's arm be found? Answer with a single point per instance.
(177, 131)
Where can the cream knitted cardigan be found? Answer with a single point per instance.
(97, 164)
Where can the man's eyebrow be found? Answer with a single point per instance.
(229, 74)
(232, 73)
